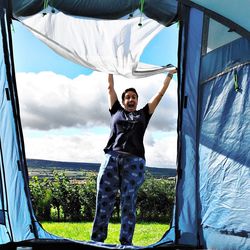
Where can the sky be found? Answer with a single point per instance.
(64, 106)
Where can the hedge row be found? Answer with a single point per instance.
(60, 199)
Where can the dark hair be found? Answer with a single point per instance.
(127, 90)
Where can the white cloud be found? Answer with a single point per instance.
(51, 102)
(162, 152)
(84, 147)
(88, 147)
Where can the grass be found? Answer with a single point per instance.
(145, 233)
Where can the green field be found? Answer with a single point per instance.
(145, 233)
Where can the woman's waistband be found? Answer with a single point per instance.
(122, 154)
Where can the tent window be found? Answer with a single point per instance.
(218, 35)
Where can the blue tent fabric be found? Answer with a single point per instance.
(4, 236)
(92, 8)
(212, 207)
(186, 189)
(214, 179)
(216, 240)
(14, 205)
(225, 57)
(213, 188)
(96, 8)
(224, 154)
(235, 11)
(163, 11)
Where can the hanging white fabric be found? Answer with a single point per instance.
(112, 46)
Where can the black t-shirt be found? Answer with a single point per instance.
(127, 130)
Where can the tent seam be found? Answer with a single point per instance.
(224, 72)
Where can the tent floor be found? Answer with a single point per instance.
(63, 244)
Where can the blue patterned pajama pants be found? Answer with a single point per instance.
(118, 172)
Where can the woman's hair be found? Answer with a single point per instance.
(127, 90)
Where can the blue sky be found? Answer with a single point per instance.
(65, 118)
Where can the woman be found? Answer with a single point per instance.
(124, 165)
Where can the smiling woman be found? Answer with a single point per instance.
(124, 165)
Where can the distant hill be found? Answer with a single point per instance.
(43, 167)
(34, 163)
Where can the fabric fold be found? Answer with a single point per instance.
(112, 46)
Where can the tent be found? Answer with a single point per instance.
(212, 208)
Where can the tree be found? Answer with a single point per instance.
(60, 192)
(41, 197)
(72, 203)
(155, 199)
(87, 194)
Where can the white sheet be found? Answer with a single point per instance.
(112, 46)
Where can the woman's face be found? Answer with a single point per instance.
(130, 101)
